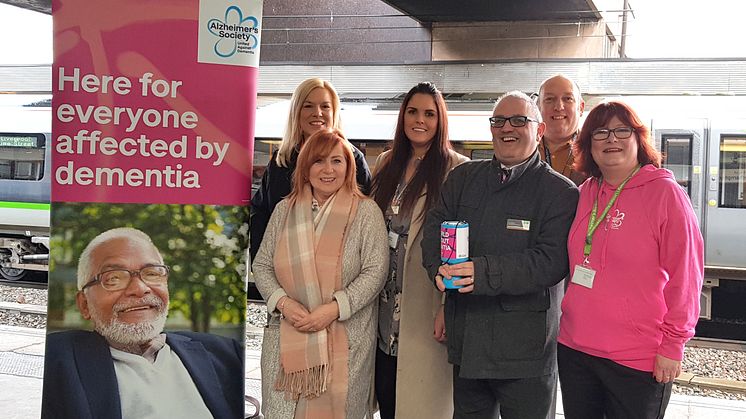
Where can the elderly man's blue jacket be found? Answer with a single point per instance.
(80, 381)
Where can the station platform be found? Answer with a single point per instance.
(22, 365)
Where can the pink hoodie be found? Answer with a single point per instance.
(648, 256)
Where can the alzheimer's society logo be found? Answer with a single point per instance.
(234, 32)
(231, 38)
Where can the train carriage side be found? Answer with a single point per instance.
(25, 184)
(708, 158)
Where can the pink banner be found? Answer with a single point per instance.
(142, 113)
(152, 140)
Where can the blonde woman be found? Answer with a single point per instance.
(313, 107)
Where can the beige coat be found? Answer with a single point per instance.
(423, 374)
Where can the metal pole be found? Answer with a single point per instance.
(622, 47)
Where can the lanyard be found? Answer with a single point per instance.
(593, 223)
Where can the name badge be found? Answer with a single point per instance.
(583, 276)
(519, 225)
(393, 239)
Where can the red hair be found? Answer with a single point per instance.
(599, 117)
(319, 146)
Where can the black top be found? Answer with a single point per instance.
(276, 185)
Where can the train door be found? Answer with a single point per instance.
(725, 230)
(726, 194)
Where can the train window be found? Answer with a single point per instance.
(482, 154)
(732, 171)
(475, 150)
(677, 157)
(21, 156)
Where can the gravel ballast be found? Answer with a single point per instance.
(703, 362)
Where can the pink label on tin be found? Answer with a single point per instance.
(454, 241)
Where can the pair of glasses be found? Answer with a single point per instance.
(600, 134)
(119, 279)
(515, 121)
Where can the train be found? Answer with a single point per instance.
(703, 139)
(25, 186)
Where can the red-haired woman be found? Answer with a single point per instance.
(636, 270)
(411, 360)
(320, 268)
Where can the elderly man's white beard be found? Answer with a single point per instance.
(123, 333)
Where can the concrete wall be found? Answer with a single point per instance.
(341, 31)
(520, 40)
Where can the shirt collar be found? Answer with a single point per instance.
(516, 170)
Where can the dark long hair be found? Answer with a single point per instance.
(429, 173)
(600, 116)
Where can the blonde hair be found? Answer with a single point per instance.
(293, 137)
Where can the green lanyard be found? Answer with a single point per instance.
(593, 223)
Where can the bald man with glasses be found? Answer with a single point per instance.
(127, 367)
(561, 106)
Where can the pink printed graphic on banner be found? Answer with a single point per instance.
(148, 124)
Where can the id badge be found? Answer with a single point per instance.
(393, 239)
(583, 276)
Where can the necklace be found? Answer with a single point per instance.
(396, 200)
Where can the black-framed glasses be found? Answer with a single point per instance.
(119, 279)
(600, 134)
(516, 121)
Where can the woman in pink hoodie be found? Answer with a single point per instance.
(636, 270)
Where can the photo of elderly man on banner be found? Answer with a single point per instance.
(161, 303)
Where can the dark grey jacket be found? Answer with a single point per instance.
(507, 327)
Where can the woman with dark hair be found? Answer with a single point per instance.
(313, 107)
(410, 358)
(320, 268)
(636, 269)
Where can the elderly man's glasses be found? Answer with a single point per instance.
(600, 134)
(119, 279)
(515, 121)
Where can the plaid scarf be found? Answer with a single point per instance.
(308, 265)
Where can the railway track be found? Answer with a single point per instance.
(24, 284)
(722, 344)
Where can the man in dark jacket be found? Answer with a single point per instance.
(502, 324)
(127, 367)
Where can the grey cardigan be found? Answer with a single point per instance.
(365, 260)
